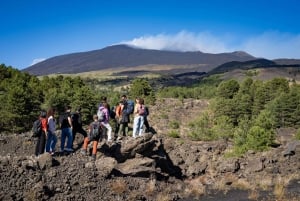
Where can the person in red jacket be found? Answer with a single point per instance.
(41, 141)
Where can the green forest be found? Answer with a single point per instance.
(246, 112)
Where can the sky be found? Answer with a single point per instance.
(35, 30)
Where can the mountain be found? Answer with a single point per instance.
(125, 56)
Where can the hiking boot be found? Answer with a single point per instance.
(83, 152)
(119, 138)
(93, 157)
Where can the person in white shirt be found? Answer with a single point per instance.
(51, 137)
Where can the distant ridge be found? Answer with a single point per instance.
(243, 65)
(126, 56)
(256, 63)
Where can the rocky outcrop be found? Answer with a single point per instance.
(139, 168)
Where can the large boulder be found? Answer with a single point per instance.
(129, 147)
(291, 148)
(105, 165)
(137, 167)
(45, 161)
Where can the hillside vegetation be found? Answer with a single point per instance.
(245, 112)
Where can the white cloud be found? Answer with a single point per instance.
(35, 61)
(268, 45)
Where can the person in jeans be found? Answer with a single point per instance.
(41, 141)
(123, 120)
(77, 125)
(51, 138)
(66, 131)
(138, 121)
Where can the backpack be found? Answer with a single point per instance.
(95, 131)
(142, 110)
(76, 121)
(63, 120)
(37, 128)
(130, 107)
(112, 113)
(101, 115)
(146, 111)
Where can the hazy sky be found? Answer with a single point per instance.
(33, 30)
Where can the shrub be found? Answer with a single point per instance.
(201, 128)
(298, 134)
(257, 139)
(174, 134)
(223, 127)
(174, 124)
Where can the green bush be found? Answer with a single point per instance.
(256, 139)
(174, 124)
(174, 134)
(298, 134)
(201, 128)
(223, 128)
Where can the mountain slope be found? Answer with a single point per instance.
(125, 56)
(243, 65)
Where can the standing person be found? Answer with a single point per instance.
(124, 97)
(52, 139)
(77, 125)
(95, 132)
(130, 104)
(41, 142)
(103, 117)
(138, 120)
(124, 120)
(66, 130)
(146, 123)
(118, 117)
(104, 100)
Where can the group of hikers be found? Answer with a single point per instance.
(99, 129)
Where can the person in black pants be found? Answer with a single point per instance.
(41, 141)
(146, 123)
(77, 124)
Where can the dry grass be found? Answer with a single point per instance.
(281, 184)
(163, 197)
(224, 183)
(165, 194)
(242, 184)
(253, 195)
(151, 188)
(266, 183)
(119, 186)
(279, 190)
(108, 73)
(195, 187)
